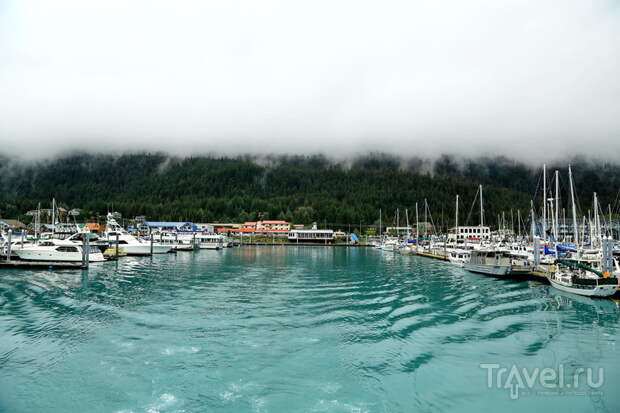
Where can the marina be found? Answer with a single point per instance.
(282, 329)
(309, 207)
(583, 264)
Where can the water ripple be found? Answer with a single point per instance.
(281, 329)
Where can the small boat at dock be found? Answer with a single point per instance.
(577, 278)
(488, 262)
(57, 251)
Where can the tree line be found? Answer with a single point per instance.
(299, 189)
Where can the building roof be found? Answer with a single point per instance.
(309, 231)
(275, 222)
(249, 223)
(252, 230)
(167, 224)
(13, 223)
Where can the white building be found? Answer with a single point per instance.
(470, 233)
(273, 225)
(311, 235)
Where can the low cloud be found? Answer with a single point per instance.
(531, 80)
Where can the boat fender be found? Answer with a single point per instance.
(606, 274)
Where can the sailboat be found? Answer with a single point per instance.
(458, 255)
(485, 260)
(575, 276)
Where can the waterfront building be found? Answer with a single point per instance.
(95, 227)
(311, 235)
(12, 224)
(470, 233)
(273, 225)
(160, 226)
(400, 231)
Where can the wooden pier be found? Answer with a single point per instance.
(431, 255)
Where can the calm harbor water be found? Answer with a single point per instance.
(296, 329)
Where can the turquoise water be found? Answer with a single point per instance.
(293, 329)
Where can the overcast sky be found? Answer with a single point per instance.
(530, 79)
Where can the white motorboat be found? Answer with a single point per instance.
(130, 244)
(488, 262)
(459, 257)
(57, 251)
(390, 244)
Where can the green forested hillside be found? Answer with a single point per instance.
(295, 188)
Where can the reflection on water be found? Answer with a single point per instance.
(283, 329)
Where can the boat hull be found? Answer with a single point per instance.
(145, 249)
(38, 255)
(590, 291)
(457, 262)
(183, 247)
(495, 270)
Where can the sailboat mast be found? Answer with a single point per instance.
(557, 205)
(425, 218)
(407, 222)
(583, 231)
(37, 224)
(544, 217)
(572, 200)
(456, 218)
(611, 233)
(417, 226)
(481, 208)
(590, 229)
(533, 225)
(597, 231)
(53, 215)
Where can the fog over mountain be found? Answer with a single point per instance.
(529, 80)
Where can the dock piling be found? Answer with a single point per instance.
(85, 251)
(116, 249)
(536, 251)
(8, 245)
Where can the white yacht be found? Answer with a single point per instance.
(57, 251)
(210, 241)
(130, 244)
